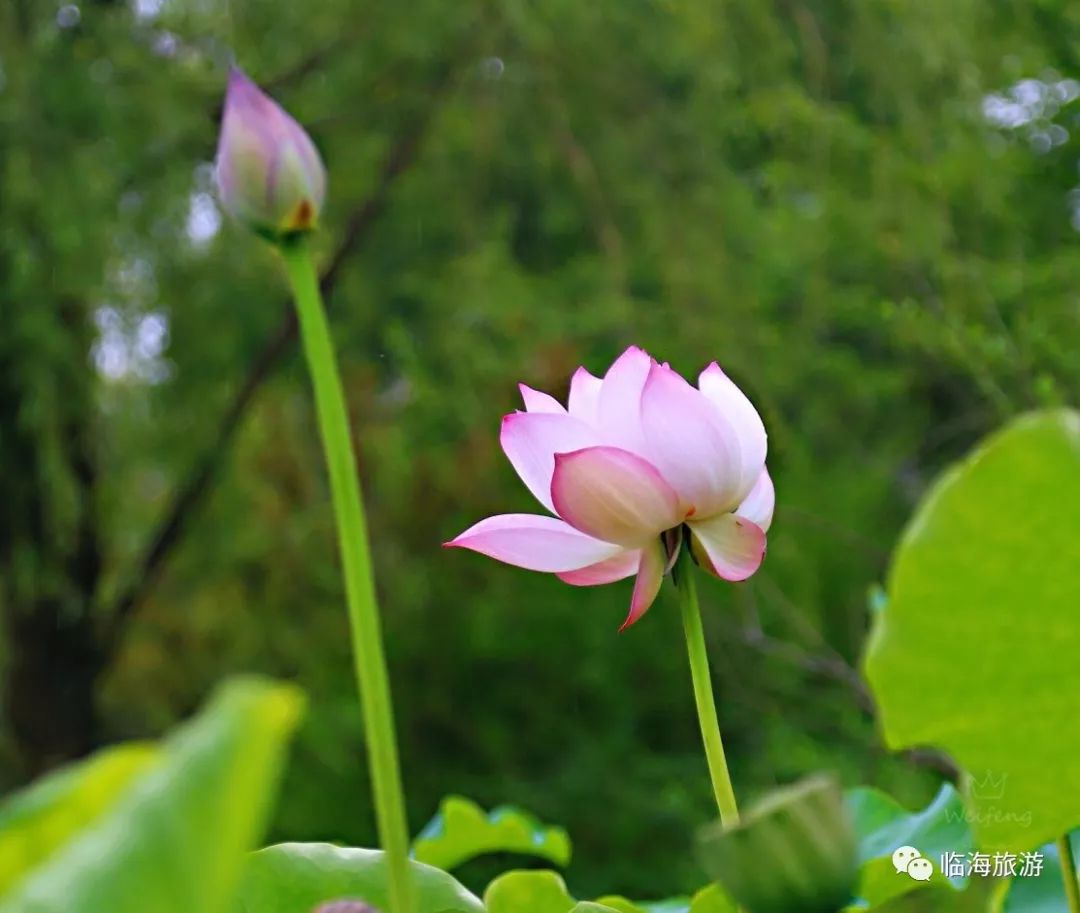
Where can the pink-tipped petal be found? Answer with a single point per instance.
(623, 565)
(743, 418)
(729, 546)
(530, 441)
(619, 406)
(584, 400)
(538, 401)
(761, 501)
(535, 543)
(613, 495)
(689, 442)
(649, 577)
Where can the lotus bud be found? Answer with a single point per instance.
(269, 173)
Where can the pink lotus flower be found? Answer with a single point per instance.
(637, 462)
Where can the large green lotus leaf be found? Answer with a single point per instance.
(712, 899)
(881, 888)
(589, 906)
(976, 651)
(940, 898)
(882, 824)
(879, 882)
(297, 877)
(1043, 893)
(177, 839)
(462, 831)
(670, 905)
(536, 892)
(38, 821)
(545, 892)
(885, 891)
(622, 905)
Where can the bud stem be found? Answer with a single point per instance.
(1068, 870)
(703, 695)
(368, 657)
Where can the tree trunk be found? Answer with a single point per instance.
(49, 689)
(50, 553)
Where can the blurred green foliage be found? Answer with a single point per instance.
(861, 208)
(36, 823)
(177, 835)
(462, 831)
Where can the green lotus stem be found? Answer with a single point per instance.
(1068, 871)
(703, 694)
(368, 657)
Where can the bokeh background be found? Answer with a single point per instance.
(866, 210)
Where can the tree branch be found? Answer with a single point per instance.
(192, 490)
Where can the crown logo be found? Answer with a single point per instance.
(989, 786)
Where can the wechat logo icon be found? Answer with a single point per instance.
(909, 861)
